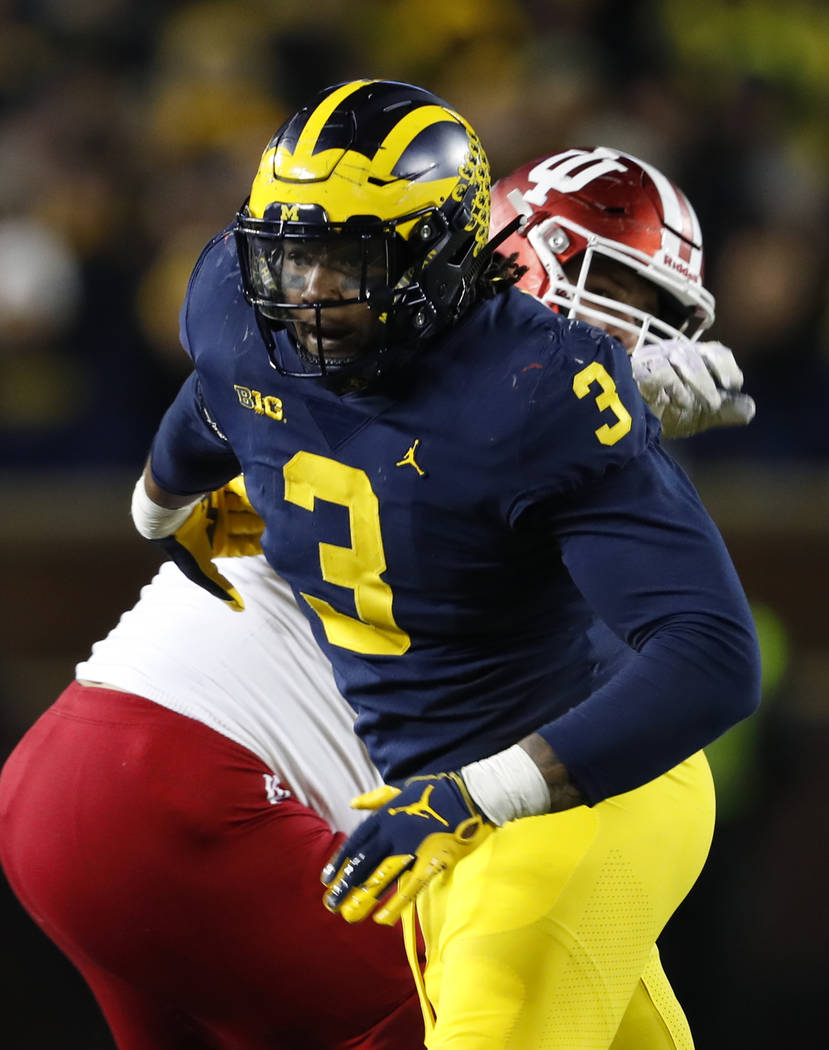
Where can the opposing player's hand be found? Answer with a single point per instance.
(413, 834)
(220, 525)
(236, 529)
(691, 387)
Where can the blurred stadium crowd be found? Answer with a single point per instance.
(129, 132)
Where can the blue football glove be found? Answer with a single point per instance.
(413, 834)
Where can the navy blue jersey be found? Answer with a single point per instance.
(453, 538)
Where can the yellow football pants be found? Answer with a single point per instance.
(544, 938)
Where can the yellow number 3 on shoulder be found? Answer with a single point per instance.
(608, 398)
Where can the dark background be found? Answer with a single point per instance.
(129, 133)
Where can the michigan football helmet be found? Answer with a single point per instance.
(584, 205)
(366, 227)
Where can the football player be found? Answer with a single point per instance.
(610, 239)
(165, 821)
(179, 649)
(183, 652)
(457, 483)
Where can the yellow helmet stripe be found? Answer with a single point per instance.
(402, 134)
(316, 122)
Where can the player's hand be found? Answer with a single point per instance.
(222, 524)
(236, 529)
(413, 834)
(691, 387)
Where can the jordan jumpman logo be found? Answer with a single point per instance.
(409, 459)
(421, 808)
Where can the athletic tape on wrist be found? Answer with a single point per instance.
(152, 521)
(507, 786)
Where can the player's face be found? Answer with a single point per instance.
(613, 280)
(332, 274)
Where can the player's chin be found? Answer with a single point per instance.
(339, 346)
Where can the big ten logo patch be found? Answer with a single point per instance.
(263, 404)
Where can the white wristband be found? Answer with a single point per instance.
(507, 786)
(151, 520)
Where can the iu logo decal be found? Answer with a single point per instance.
(556, 173)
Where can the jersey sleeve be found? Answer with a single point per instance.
(585, 417)
(195, 290)
(649, 560)
(190, 454)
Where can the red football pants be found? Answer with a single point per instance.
(143, 843)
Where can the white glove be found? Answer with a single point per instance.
(691, 387)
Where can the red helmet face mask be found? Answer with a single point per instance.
(583, 206)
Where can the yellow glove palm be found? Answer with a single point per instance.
(222, 525)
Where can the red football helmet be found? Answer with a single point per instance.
(585, 203)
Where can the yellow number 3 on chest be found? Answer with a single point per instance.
(309, 477)
(608, 398)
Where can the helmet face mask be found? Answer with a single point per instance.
(363, 229)
(589, 211)
(328, 282)
(573, 293)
